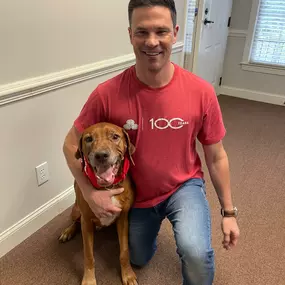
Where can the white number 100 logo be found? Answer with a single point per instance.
(162, 123)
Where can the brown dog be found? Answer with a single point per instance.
(105, 151)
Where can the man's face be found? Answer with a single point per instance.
(152, 35)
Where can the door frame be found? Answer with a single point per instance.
(196, 35)
(196, 38)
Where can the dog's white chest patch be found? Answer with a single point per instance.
(109, 220)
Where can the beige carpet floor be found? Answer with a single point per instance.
(255, 143)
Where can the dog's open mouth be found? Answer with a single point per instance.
(106, 174)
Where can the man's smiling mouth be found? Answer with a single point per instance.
(152, 53)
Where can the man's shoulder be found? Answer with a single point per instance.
(195, 85)
(193, 79)
(114, 82)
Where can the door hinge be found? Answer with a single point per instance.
(229, 21)
(220, 82)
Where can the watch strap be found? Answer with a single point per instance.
(229, 213)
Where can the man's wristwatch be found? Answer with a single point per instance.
(231, 213)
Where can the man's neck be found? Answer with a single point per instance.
(155, 79)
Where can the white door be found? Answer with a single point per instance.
(209, 43)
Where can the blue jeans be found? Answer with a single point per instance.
(188, 211)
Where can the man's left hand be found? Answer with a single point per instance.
(231, 232)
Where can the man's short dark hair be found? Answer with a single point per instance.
(170, 4)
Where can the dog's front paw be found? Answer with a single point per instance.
(129, 277)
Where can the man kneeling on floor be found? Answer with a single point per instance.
(164, 108)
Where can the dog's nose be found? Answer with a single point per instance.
(102, 156)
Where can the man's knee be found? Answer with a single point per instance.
(141, 253)
(196, 252)
(140, 259)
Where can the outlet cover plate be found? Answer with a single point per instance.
(42, 173)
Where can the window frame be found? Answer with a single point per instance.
(251, 66)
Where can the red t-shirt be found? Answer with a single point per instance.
(162, 123)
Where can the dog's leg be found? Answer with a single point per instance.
(89, 262)
(68, 233)
(128, 275)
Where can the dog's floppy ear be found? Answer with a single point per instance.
(130, 147)
(79, 153)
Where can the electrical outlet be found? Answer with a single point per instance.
(42, 173)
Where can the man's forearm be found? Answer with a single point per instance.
(220, 176)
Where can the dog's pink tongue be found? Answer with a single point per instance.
(106, 176)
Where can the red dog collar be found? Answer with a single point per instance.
(88, 171)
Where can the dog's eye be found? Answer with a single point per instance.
(88, 139)
(115, 136)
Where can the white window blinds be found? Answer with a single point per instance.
(269, 39)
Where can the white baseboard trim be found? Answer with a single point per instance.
(38, 85)
(275, 99)
(234, 33)
(35, 220)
